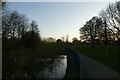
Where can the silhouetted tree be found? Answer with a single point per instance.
(34, 27)
(2, 10)
(3, 5)
(31, 38)
(74, 40)
(67, 38)
(14, 25)
(59, 41)
(112, 16)
(50, 39)
(23, 26)
(93, 29)
(84, 34)
(6, 30)
(63, 39)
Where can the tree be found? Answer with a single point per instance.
(84, 33)
(23, 26)
(2, 6)
(31, 38)
(2, 9)
(74, 39)
(63, 39)
(112, 16)
(59, 41)
(14, 25)
(6, 29)
(50, 39)
(93, 29)
(34, 27)
(67, 37)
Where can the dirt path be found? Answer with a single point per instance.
(95, 69)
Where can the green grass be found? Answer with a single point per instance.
(98, 53)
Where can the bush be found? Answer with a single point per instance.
(30, 39)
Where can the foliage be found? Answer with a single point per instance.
(93, 29)
(30, 39)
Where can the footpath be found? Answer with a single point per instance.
(94, 69)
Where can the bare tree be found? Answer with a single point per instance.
(112, 16)
(2, 9)
(14, 25)
(34, 27)
(67, 38)
(63, 39)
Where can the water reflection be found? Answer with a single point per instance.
(55, 67)
(44, 67)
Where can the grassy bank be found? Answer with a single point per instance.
(98, 53)
(23, 60)
(18, 62)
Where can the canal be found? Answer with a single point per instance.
(46, 67)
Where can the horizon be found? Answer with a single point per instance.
(57, 19)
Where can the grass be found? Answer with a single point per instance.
(17, 62)
(22, 60)
(98, 53)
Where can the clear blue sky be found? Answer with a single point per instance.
(61, 0)
(57, 19)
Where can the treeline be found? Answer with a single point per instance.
(18, 31)
(62, 40)
(93, 31)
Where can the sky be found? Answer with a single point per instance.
(61, 0)
(57, 19)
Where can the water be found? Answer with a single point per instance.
(49, 67)
(55, 70)
(46, 67)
